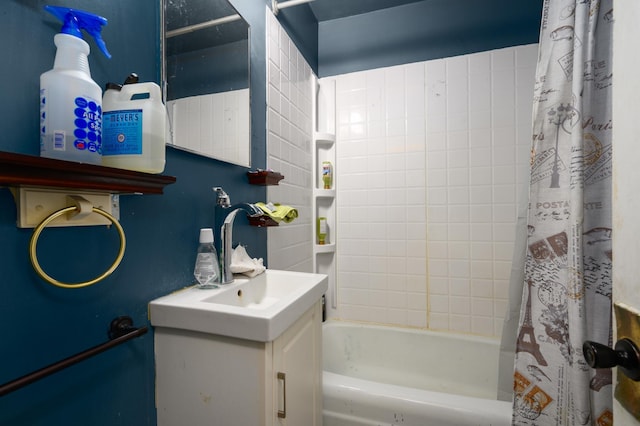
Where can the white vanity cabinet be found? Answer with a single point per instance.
(207, 379)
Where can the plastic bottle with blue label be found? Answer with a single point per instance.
(70, 101)
(133, 126)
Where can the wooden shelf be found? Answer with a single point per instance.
(264, 177)
(262, 221)
(18, 170)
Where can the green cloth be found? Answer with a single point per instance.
(278, 212)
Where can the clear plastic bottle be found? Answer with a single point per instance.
(207, 268)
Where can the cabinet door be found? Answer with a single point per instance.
(297, 358)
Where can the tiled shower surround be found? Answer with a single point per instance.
(432, 161)
(289, 132)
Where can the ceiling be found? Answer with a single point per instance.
(183, 13)
(180, 13)
(326, 10)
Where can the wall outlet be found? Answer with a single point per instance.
(35, 204)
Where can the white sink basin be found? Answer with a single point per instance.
(259, 308)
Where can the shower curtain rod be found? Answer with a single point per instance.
(226, 19)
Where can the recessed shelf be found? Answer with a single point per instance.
(19, 170)
(324, 139)
(324, 201)
(324, 193)
(324, 248)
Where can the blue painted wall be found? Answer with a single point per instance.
(424, 30)
(41, 324)
(419, 31)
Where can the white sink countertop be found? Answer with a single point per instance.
(259, 308)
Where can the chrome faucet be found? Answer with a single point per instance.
(225, 213)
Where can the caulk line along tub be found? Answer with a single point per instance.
(70, 101)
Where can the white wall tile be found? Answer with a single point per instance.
(460, 323)
(481, 175)
(289, 128)
(481, 232)
(480, 118)
(459, 213)
(458, 176)
(458, 158)
(439, 303)
(481, 194)
(437, 321)
(480, 91)
(526, 56)
(458, 195)
(483, 325)
(502, 59)
(458, 121)
(480, 63)
(482, 288)
(431, 159)
(503, 250)
(481, 213)
(458, 231)
(459, 287)
(480, 157)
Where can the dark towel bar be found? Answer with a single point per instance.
(121, 330)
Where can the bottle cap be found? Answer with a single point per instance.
(74, 20)
(206, 235)
(113, 86)
(132, 78)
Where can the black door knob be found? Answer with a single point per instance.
(625, 355)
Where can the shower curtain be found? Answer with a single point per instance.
(566, 285)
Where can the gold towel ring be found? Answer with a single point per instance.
(38, 230)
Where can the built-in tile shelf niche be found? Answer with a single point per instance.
(324, 199)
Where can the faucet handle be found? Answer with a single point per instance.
(222, 198)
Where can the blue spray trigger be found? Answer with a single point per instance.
(74, 20)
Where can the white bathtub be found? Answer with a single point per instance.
(376, 375)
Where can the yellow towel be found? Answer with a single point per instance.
(278, 212)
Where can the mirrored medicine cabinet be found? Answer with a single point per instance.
(206, 77)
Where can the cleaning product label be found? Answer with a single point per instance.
(122, 132)
(321, 230)
(87, 123)
(327, 174)
(59, 140)
(84, 133)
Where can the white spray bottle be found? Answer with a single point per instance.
(70, 101)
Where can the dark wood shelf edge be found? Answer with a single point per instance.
(264, 177)
(26, 170)
(262, 221)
